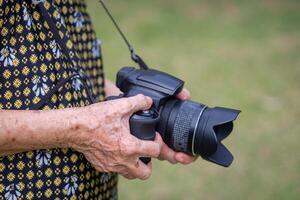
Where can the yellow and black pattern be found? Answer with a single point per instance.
(50, 58)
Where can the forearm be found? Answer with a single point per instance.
(29, 130)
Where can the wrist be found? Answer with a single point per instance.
(71, 127)
(79, 122)
(61, 123)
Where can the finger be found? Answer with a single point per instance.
(172, 156)
(185, 158)
(140, 170)
(136, 103)
(166, 153)
(148, 148)
(184, 94)
(126, 174)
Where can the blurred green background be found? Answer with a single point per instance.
(240, 54)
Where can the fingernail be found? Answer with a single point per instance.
(174, 161)
(149, 99)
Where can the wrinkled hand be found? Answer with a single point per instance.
(166, 152)
(104, 138)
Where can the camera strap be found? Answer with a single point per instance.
(136, 58)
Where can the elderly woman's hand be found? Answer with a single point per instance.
(167, 153)
(104, 138)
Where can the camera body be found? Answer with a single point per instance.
(185, 126)
(158, 85)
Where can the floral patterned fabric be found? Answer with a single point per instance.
(50, 58)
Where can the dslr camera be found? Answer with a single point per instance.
(185, 126)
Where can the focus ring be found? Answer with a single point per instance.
(182, 126)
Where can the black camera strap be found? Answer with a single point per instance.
(136, 58)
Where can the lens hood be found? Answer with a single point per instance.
(214, 126)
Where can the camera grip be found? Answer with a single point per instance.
(142, 125)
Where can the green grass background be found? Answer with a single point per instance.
(240, 54)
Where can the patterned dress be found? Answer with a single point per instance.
(50, 58)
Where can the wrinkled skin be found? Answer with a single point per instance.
(106, 142)
(104, 138)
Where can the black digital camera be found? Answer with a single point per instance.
(185, 126)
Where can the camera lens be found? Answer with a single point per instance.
(196, 129)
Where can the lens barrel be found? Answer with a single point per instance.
(194, 128)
